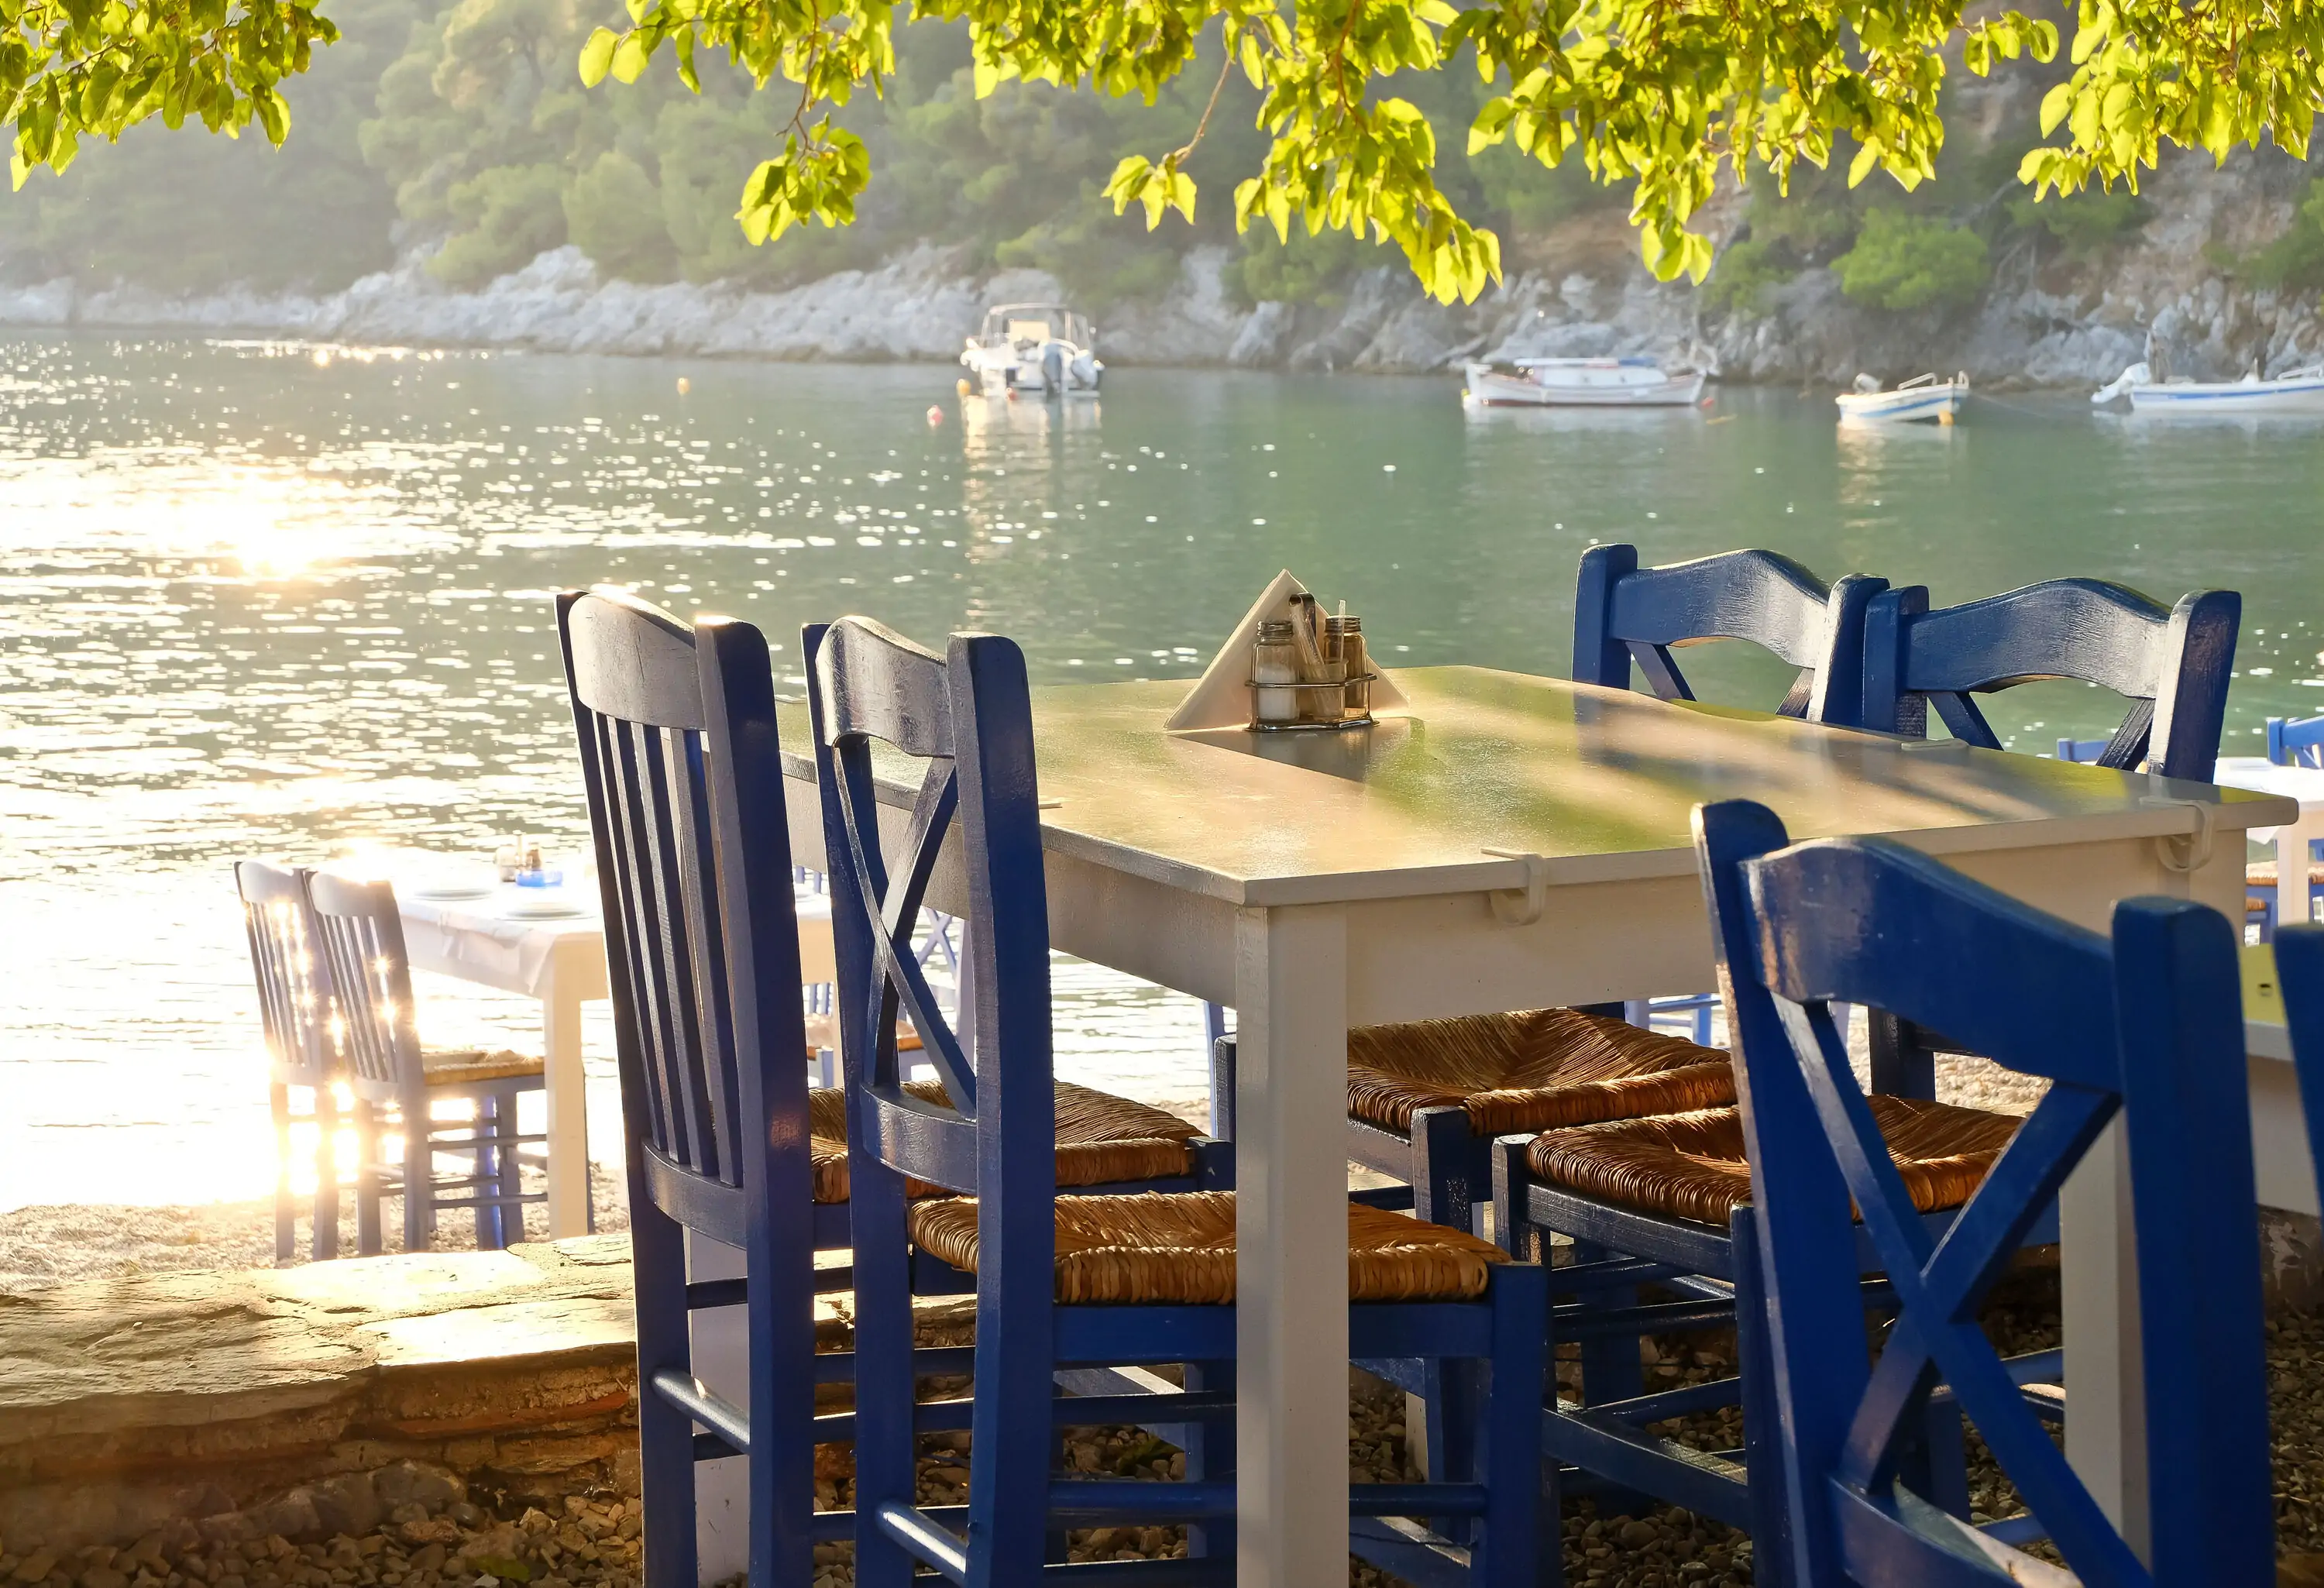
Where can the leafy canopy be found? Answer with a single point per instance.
(1663, 94)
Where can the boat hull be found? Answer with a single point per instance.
(1490, 388)
(1914, 405)
(2304, 396)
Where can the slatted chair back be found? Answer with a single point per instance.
(2133, 1026)
(1624, 614)
(2171, 664)
(962, 723)
(374, 1017)
(2296, 742)
(294, 989)
(681, 763)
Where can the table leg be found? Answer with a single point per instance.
(2106, 1386)
(1291, 1231)
(568, 1115)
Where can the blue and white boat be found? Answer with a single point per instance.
(1923, 400)
(2300, 391)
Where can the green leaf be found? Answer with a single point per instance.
(597, 56)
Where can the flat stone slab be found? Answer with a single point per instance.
(123, 1398)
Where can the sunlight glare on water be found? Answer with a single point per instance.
(284, 600)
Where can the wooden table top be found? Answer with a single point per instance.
(1600, 783)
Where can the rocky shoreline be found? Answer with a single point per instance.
(2046, 320)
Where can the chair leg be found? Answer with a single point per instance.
(1211, 1454)
(1771, 1565)
(487, 1174)
(1610, 1370)
(665, 1433)
(1903, 1063)
(286, 1211)
(1519, 1544)
(509, 1216)
(368, 1237)
(326, 1175)
(1446, 1159)
(419, 1179)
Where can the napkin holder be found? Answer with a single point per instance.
(1222, 699)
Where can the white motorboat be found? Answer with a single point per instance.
(1923, 400)
(1043, 347)
(1583, 383)
(2300, 391)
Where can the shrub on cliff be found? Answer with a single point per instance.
(1742, 277)
(1905, 262)
(2296, 259)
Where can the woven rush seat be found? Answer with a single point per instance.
(455, 1066)
(1539, 1070)
(1101, 1140)
(1179, 1249)
(1691, 1165)
(2261, 874)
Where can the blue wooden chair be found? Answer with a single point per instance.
(1069, 1289)
(294, 1012)
(2171, 664)
(681, 760)
(2300, 972)
(2296, 742)
(398, 1084)
(2134, 1026)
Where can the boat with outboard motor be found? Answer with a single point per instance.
(1043, 347)
(1923, 400)
(1581, 383)
(2301, 391)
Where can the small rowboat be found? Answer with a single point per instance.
(2300, 391)
(1923, 400)
(1581, 382)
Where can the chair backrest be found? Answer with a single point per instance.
(2170, 664)
(373, 1018)
(684, 773)
(2296, 742)
(2137, 1026)
(962, 724)
(1624, 614)
(294, 989)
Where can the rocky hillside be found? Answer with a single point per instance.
(2175, 286)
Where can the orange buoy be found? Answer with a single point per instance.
(684, 385)
(962, 387)
(936, 414)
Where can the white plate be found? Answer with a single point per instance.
(543, 909)
(450, 890)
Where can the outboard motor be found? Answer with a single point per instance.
(1086, 370)
(1053, 369)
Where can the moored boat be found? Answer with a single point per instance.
(1923, 400)
(1042, 347)
(2301, 391)
(1581, 383)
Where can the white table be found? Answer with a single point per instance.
(561, 963)
(1319, 881)
(2303, 783)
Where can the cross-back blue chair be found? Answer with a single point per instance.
(397, 1082)
(294, 1013)
(2170, 663)
(1068, 1289)
(680, 756)
(2296, 741)
(1624, 614)
(2134, 1026)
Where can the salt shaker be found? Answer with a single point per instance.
(1274, 672)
